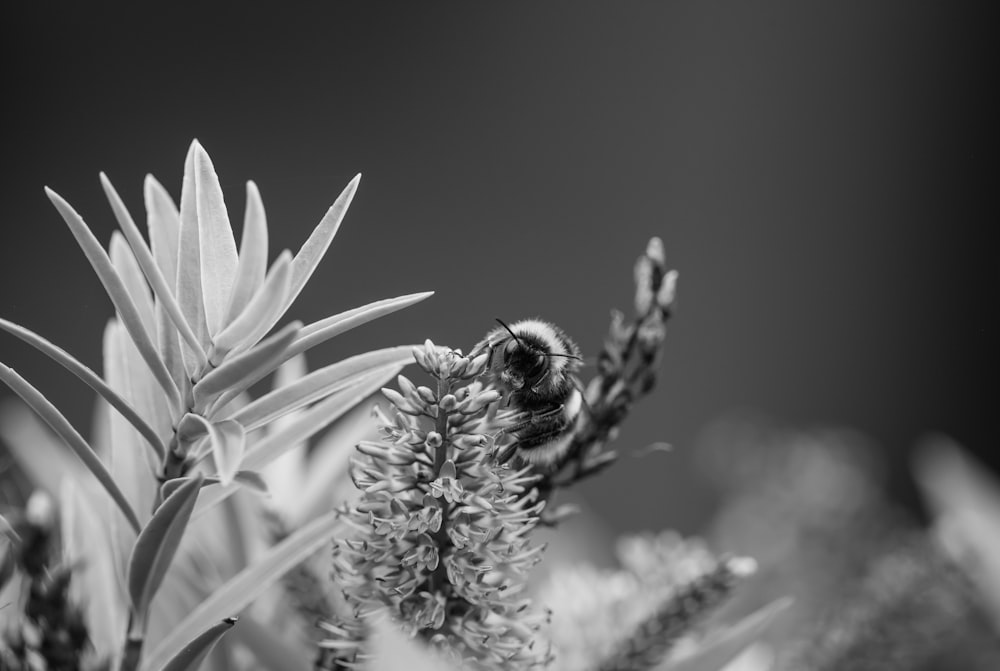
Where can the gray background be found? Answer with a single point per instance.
(818, 172)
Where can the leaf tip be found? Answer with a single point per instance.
(347, 195)
(65, 209)
(201, 156)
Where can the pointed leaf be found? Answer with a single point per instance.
(239, 371)
(323, 330)
(149, 268)
(157, 544)
(125, 265)
(253, 253)
(329, 410)
(228, 446)
(168, 488)
(189, 279)
(326, 480)
(218, 248)
(190, 657)
(191, 427)
(251, 480)
(271, 650)
(100, 428)
(250, 583)
(128, 462)
(720, 648)
(313, 249)
(38, 451)
(284, 475)
(228, 442)
(171, 349)
(318, 384)
(163, 223)
(118, 294)
(91, 378)
(310, 422)
(69, 435)
(186, 584)
(87, 547)
(264, 308)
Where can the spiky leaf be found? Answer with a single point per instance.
(92, 379)
(55, 419)
(246, 586)
(157, 544)
(190, 657)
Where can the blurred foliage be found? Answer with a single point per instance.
(872, 588)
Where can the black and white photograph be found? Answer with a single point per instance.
(542, 336)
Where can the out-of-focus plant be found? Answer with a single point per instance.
(52, 632)
(646, 615)
(872, 589)
(161, 555)
(965, 503)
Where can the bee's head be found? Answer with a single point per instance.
(536, 357)
(525, 365)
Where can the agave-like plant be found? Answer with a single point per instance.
(189, 338)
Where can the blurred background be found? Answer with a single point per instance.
(818, 172)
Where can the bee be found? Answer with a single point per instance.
(532, 363)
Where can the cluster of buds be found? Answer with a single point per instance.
(626, 370)
(440, 534)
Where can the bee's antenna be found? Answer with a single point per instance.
(512, 334)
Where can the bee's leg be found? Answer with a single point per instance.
(504, 454)
(521, 420)
(545, 415)
(528, 420)
(525, 445)
(489, 356)
(480, 349)
(551, 412)
(525, 419)
(541, 438)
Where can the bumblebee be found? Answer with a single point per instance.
(532, 363)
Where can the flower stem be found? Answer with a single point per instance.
(439, 577)
(133, 649)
